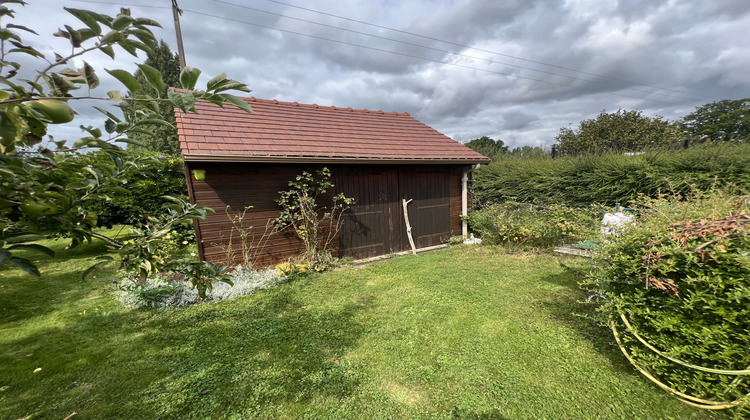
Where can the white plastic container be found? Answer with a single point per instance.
(614, 223)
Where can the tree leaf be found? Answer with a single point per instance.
(147, 22)
(33, 248)
(238, 102)
(21, 27)
(122, 21)
(63, 85)
(34, 85)
(91, 79)
(126, 79)
(132, 47)
(154, 121)
(110, 126)
(189, 77)
(103, 19)
(8, 126)
(111, 37)
(93, 131)
(25, 265)
(107, 49)
(26, 50)
(74, 37)
(184, 101)
(87, 18)
(86, 34)
(5, 203)
(225, 85)
(211, 85)
(154, 78)
(115, 95)
(107, 113)
(145, 36)
(134, 142)
(21, 237)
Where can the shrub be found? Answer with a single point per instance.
(679, 281)
(313, 215)
(169, 291)
(612, 178)
(536, 226)
(142, 192)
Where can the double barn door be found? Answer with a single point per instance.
(375, 225)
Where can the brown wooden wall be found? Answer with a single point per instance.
(374, 225)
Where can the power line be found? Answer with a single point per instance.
(123, 4)
(411, 56)
(442, 50)
(483, 50)
(420, 46)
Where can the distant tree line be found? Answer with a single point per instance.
(496, 149)
(630, 131)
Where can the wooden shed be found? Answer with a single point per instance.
(378, 158)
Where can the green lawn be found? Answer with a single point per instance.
(467, 332)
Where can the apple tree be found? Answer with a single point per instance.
(30, 209)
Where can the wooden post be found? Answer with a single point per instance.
(408, 226)
(176, 12)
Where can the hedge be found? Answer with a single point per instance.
(676, 290)
(612, 178)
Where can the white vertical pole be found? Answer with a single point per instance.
(465, 204)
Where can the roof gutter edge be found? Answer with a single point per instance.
(193, 157)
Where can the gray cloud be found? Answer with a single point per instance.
(660, 57)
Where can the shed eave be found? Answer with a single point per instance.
(195, 157)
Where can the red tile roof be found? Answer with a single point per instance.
(288, 130)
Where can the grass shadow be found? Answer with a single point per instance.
(188, 363)
(24, 296)
(573, 310)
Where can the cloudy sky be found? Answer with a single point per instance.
(516, 70)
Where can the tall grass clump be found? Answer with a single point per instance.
(677, 296)
(613, 177)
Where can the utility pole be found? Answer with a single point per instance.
(176, 12)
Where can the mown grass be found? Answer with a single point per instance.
(468, 332)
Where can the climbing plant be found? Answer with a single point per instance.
(314, 216)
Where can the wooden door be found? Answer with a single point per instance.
(368, 227)
(375, 225)
(429, 211)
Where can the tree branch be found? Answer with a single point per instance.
(67, 98)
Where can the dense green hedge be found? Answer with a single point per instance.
(680, 279)
(142, 191)
(611, 178)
